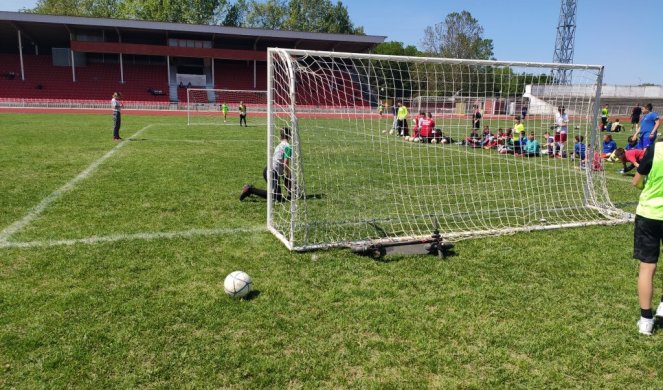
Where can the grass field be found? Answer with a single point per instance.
(112, 260)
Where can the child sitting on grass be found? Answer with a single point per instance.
(579, 148)
(609, 146)
(550, 143)
(473, 140)
(531, 148)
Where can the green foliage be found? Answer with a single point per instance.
(296, 15)
(270, 15)
(234, 14)
(396, 49)
(94, 8)
(301, 15)
(459, 36)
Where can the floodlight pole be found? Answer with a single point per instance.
(566, 30)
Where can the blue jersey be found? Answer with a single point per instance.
(648, 122)
(579, 149)
(609, 146)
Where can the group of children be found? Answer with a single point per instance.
(512, 141)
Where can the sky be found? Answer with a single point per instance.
(608, 32)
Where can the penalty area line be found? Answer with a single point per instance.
(36, 211)
(145, 236)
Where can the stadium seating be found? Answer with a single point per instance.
(96, 81)
(239, 75)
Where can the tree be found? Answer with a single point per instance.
(188, 11)
(394, 48)
(234, 15)
(302, 15)
(269, 15)
(458, 36)
(94, 8)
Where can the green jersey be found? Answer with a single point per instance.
(651, 198)
(402, 112)
(224, 108)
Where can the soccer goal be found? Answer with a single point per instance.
(359, 176)
(204, 106)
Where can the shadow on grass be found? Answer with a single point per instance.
(252, 295)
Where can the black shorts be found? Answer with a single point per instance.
(647, 239)
(635, 120)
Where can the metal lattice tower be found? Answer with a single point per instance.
(566, 33)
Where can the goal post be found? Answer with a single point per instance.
(360, 175)
(204, 105)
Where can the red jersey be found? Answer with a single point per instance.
(426, 127)
(634, 155)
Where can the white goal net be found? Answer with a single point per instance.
(359, 174)
(205, 106)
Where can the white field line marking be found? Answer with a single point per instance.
(34, 212)
(136, 236)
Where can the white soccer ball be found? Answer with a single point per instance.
(391, 132)
(384, 131)
(237, 284)
(417, 139)
(433, 141)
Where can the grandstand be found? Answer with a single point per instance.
(544, 99)
(63, 61)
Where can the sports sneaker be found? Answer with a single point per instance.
(659, 311)
(646, 326)
(246, 191)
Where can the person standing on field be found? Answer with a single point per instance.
(116, 105)
(648, 127)
(224, 109)
(604, 117)
(242, 114)
(635, 116)
(648, 232)
(401, 123)
(561, 132)
(476, 118)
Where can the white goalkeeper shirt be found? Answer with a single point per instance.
(282, 152)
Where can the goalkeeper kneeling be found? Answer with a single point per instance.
(280, 169)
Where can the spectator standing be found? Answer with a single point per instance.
(604, 117)
(116, 105)
(476, 118)
(635, 116)
(562, 123)
(242, 114)
(648, 127)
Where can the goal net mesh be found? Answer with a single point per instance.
(204, 106)
(356, 180)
